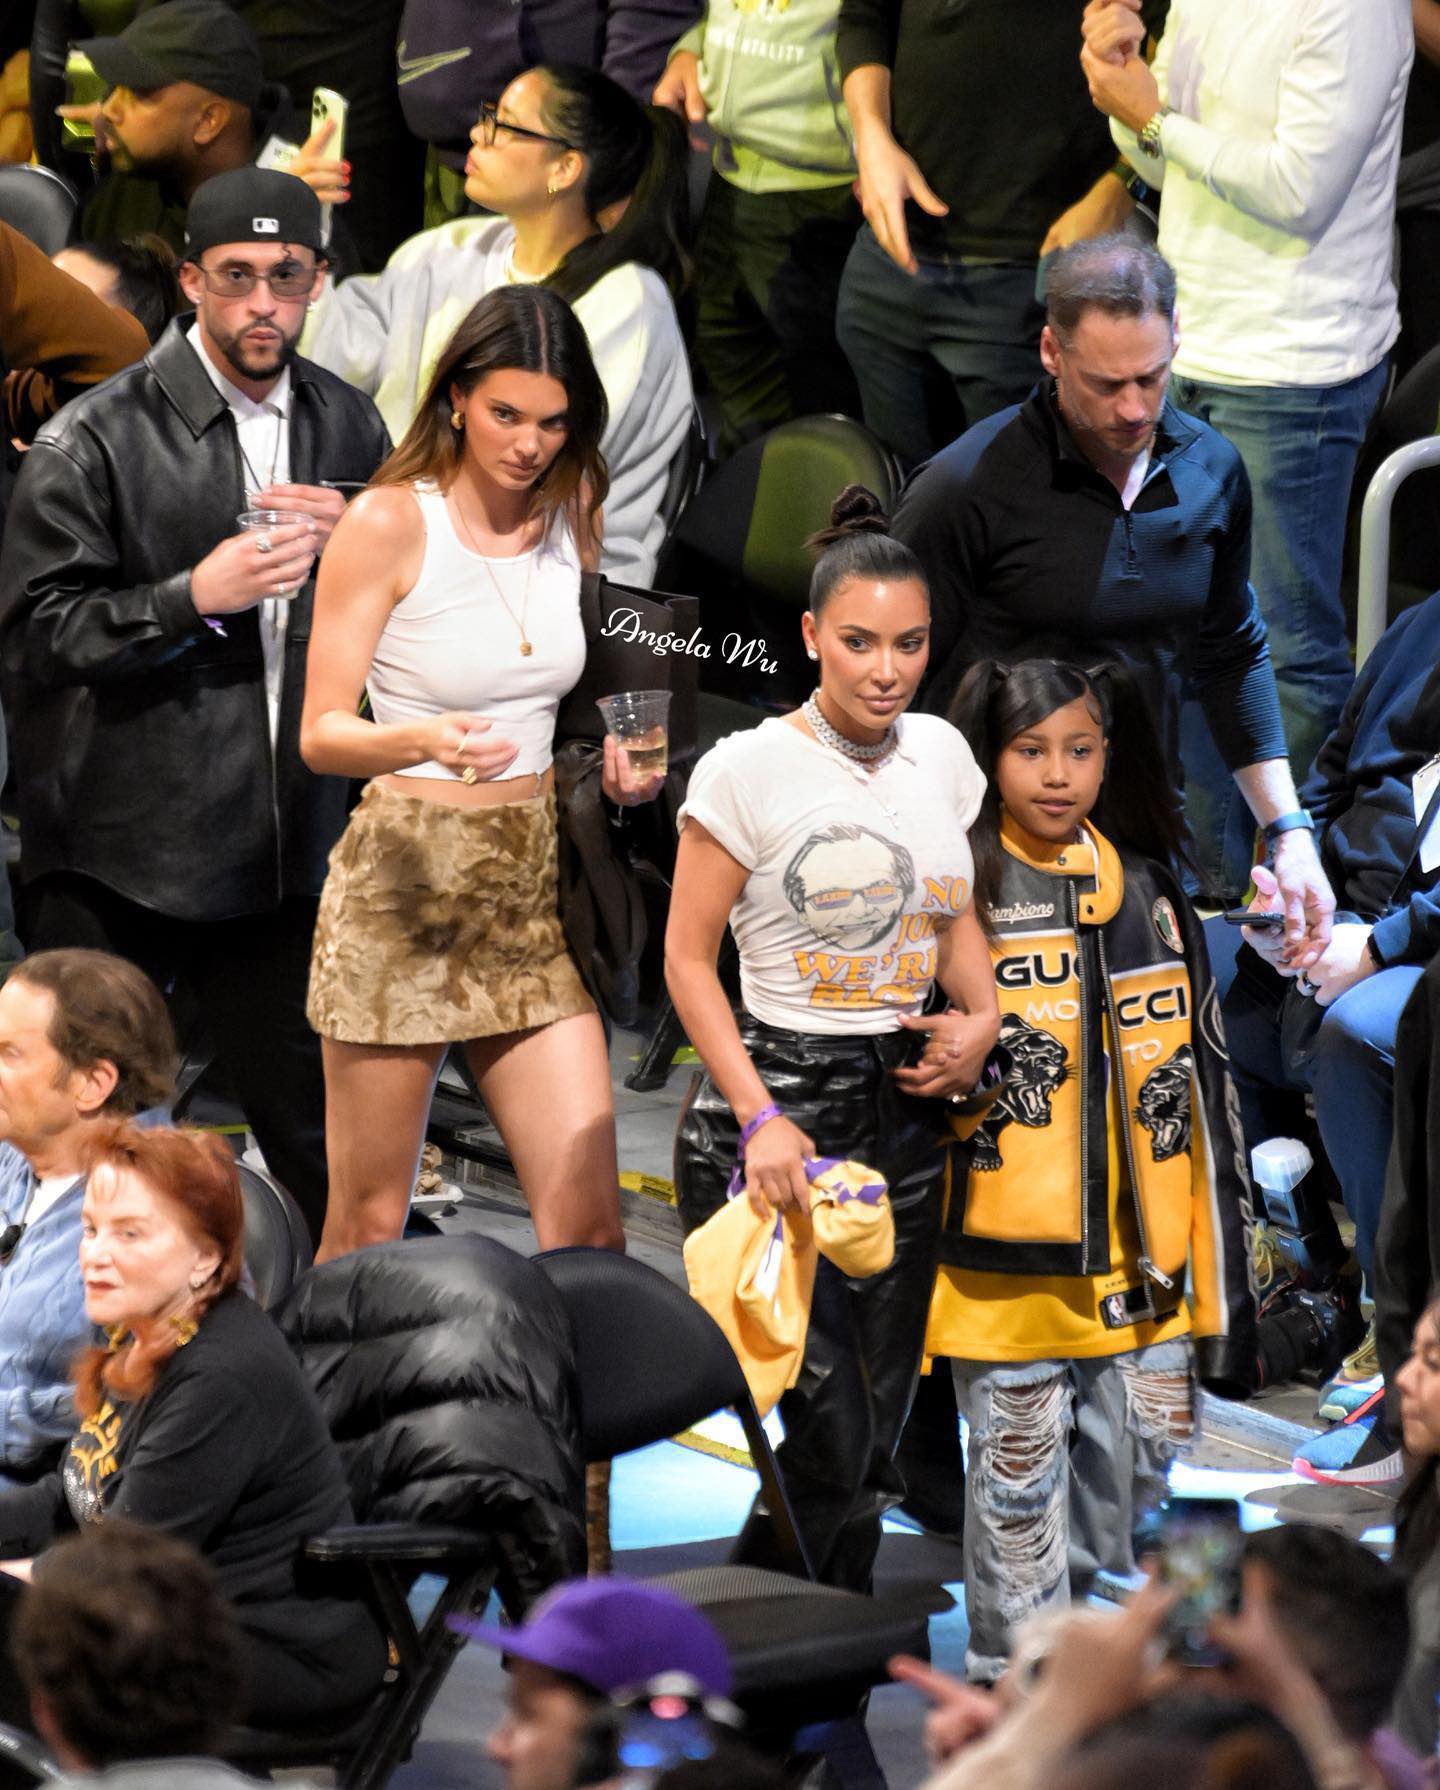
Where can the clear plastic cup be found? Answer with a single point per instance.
(639, 720)
(260, 522)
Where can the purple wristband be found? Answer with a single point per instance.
(763, 1117)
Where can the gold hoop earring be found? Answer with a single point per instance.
(457, 422)
(551, 188)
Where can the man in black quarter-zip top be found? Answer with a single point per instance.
(1095, 521)
(153, 656)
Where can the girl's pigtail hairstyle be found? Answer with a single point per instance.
(639, 154)
(857, 544)
(1138, 807)
(194, 1173)
(974, 712)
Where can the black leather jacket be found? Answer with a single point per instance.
(141, 734)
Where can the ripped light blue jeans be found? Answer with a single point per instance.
(1064, 1456)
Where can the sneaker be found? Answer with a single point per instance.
(1340, 1400)
(1356, 1452)
(1348, 1389)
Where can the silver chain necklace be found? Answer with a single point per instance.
(869, 756)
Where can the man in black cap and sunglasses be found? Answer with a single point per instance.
(153, 653)
(188, 99)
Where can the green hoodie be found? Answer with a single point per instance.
(769, 75)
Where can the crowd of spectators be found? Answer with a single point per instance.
(318, 441)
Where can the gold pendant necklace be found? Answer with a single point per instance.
(526, 647)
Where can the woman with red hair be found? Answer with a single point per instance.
(195, 1418)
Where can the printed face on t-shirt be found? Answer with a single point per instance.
(849, 885)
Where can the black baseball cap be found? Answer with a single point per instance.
(252, 205)
(203, 41)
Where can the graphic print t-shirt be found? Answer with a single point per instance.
(852, 872)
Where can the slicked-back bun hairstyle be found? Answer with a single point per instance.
(857, 544)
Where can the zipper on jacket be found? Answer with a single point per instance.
(1132, 560)
(1086, 1080)
(1147, 1261)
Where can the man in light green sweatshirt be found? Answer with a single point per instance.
(779, 214)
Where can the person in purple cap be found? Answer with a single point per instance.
(584, 1642)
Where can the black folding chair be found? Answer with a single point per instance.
(651, 1363)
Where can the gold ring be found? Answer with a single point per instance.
(469, 774)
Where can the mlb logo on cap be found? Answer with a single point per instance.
(252, 205)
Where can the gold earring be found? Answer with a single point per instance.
(551, 188)
(457, 422)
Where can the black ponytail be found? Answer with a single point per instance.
(1136, 810)
(633, 152)
(857, 544)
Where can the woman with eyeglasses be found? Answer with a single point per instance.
(832, 841)
(451, 593)
(591, 194)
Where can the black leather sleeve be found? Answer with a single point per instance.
(66, 616)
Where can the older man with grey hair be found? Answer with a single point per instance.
(1096, 521)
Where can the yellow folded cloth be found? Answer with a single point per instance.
(755, 1275)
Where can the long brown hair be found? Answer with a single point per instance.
(531, 329)
(1417, 1518)
(194, 1174)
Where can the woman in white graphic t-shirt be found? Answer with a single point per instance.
(832, 841)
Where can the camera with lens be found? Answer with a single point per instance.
(1312, 1319)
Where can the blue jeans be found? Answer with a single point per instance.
(937, 351)
(1299, 445)
(1351, 1077)
(1064, 1455)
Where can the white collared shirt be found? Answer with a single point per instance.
(1279, 160)
(852, 873)
(264, 433)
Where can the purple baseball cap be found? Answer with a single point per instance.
(612, 1633)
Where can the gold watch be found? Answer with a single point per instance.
(1148, 136)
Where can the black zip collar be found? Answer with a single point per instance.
(1174, 435)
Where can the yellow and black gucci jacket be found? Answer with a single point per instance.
(1112, 1166)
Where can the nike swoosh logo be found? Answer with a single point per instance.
(411, 68)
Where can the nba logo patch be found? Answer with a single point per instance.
(1167, 926)
(1113, 1312)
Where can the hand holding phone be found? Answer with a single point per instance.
(329, 109)
(1200, 1548)
(85, 90)
(1246, 916)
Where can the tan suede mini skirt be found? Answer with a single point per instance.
(439, 924)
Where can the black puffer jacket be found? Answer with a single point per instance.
(445, 1370)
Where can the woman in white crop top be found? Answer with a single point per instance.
(451, 594)
(833, 842)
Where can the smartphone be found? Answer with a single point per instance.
(327, 104)
(1200, 1548)
(1242, 916)
(84, 86)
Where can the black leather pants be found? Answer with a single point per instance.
(844, 1415)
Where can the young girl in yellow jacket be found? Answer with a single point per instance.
(1095, 1237)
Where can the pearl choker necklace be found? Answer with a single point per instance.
(870, 756)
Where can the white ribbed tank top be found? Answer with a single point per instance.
(449, 643)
